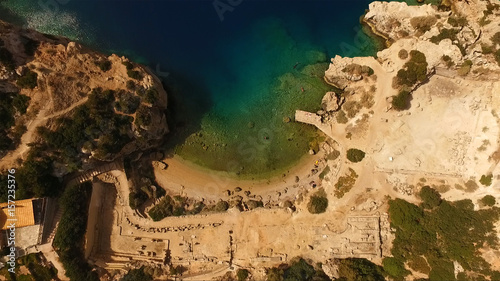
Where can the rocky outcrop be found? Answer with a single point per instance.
(66, 73)
(396, 20)
(331, 102)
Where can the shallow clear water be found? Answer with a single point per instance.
(231, 82)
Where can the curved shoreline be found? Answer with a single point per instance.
(191, 180)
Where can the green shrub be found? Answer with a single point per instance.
(403, 54)
(445, 33)
(401, 101)
(127, 102)
(71, 232)
(465, 68)
(131, 85)
(20, 103)
(324, 172)
(128, 65)
(356, 269)
(298, 270)
(345, 183)
(317, 204)
(486, 179)
(488, 200)
(341, 117)
(423, 23)
(496, 38)
(355, 155)
(103, 64)
(28, 80)
(451, 231)
(134, 74)
(151, 96)
(458, 21)
(395, 268)
(414, 70)
(143, 116)
(497, 56)
(358, 69)
(242, 274)
(487, 49)
(430, 197)
(418, 263)
(447, 60)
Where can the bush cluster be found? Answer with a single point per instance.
(70, 233)
(358, 69)
(134, 74)
(127, 102)
(423, 23)
(317, 203)
(345, 183)
(401, 101)
(488, 200)
(441, 232)
(403, 54)
(28, 81)
(414, 70)
(94, 122)
(486, 179)
(103, 65)
(11, 105)
(458, 21)
(34, 178)
(355, 155)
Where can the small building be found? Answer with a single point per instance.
(27, 216)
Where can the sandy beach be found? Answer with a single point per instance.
(191, 180)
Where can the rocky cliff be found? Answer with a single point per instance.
(58, 79)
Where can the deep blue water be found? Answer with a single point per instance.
(225, 72)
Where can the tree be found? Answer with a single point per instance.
(317, 204)
(355, 269)
(242, 274)
(488, 200)
(104, 64)
(71, 233)
(401, 101)
(486, 179)
(395, 267)
(28, 81)
(355, 155)
(430, 197)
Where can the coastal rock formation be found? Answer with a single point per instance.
(396, 20)
(331, 102)
(59, 76)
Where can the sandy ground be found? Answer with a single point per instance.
(193, 181)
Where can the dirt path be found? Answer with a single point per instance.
(9, 160)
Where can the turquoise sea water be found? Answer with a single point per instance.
(232, 82)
